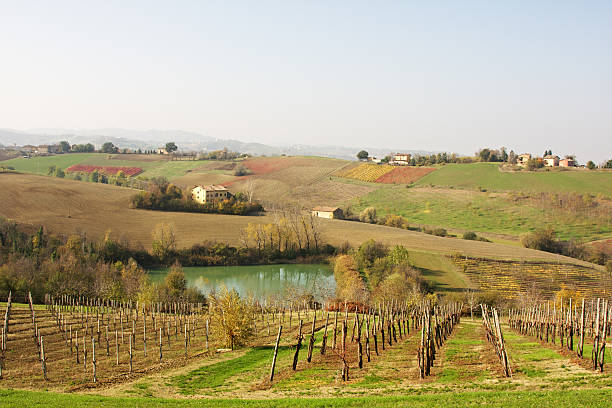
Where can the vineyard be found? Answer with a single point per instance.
(385, 173)
(109, 170)
(404, 175)
(510, 278)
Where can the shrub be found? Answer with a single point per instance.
(396, 221)
(241, 170)
(368, 215)
(471, 236)
(542, 240)
(439, 232)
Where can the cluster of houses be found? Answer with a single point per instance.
(398, 159)
(40, 149)
(548, 160)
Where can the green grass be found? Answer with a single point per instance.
(478, 211)
(438, 270)
(540, 399)
(156, 168)
(217, 374)
(488, 176)
(172, 169)
(40, 165)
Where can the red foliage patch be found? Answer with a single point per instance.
(404, 175)
(86, 168)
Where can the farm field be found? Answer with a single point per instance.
(509, 278)
(302, 181)
(489, 212)
(67, 206)
(466, 372)
(384, 173)
(487, 176)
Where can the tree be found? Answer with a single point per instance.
(171, 147)
(64, 146)
(176, 283)
(108, 147)
(363, 155)
(233, 316)
(591, 165)
(608, 165)
(503, 154)
(164, 241)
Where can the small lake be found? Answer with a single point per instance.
(260, 281)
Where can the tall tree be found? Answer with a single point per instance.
(171, 147)
(108, 147)
(362, 155)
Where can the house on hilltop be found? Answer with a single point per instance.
(47, 149)
(551, 161)
(210, 194)
(402, 159)
(328, 212)
(523, 159)
(567, 162)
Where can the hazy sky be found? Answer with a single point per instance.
(453, 76)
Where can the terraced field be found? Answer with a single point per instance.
(510, 278)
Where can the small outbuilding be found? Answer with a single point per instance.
(328, 212)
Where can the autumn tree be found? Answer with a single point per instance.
(164, 241)
(233, 316)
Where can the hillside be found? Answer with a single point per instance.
(459, 197)
(67, 206)
(488, 176)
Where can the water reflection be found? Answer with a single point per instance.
(259, 281)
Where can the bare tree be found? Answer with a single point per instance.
(249, 189)
(470, 299)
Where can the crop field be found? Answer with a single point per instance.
(488, 176)
(512, 278)
(466, 371)
(367, 172)
(68, 207)
(86, 168)
(384, 173)
(485, 212)
(404, 175)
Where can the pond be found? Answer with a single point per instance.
(260, 281)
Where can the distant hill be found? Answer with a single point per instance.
(188, 141)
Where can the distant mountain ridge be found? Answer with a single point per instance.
(187, 141)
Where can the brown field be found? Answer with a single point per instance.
(306, 181)
(67, 207)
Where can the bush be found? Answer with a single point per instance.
(542, 240)
(396, 221)
(439, 232)
(241, 170)
(368, 215)
(471, 236)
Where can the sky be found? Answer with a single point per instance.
(433, 75)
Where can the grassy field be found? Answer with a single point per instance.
(67, 207)
(553, 399)
(487, 176)
(40, 164)
(482, 211)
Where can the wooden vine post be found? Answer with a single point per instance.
(297, 347)
(278, 337)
